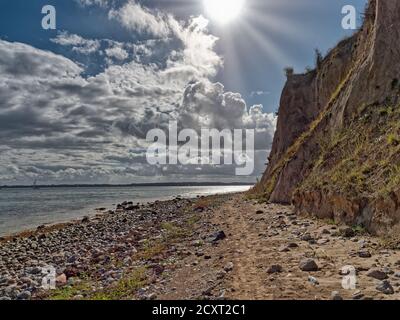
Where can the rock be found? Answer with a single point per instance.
(36, 270)
(25, 295)
(347, 232)
(397, 274)
(229, 267)
(197, 243)
(335, 295)
(4, 298)
(322, 241)
(26, 280)
(259, 212)
(127, 261)
(85, 220)
(208, 292)
(388, 271)
(362, 244)
(283, 248)
(218, 236)
(151, 296)
(308, 265)
(276, 268)
(377, 274)
(71, 272)
(72, 259)
(158, 269)
(313, 281)
(358, 295)
(132, 207)
(42, 237)
(385, 287)
(364, 254)
(307, 237)
(292, 245)
(61, 279)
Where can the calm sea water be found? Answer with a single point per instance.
(27, 208)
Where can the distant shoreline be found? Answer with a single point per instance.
(167, 184)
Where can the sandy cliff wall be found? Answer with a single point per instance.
(332, 141)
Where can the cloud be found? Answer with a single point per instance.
(259, 93)
(207, 105)
(59, 125)
(117, 52)
(78, 44)
(19, 60)
(101, 3)
(134, 16)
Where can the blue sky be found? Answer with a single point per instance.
(76, 102)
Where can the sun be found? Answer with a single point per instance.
(223, 11)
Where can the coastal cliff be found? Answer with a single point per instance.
(336, 151)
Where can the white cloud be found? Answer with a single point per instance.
(259, 93)
(117, 52)
(101, 3)
(135, 17)
(78, 44)
(59, 126)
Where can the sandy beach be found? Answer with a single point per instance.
(217, 247)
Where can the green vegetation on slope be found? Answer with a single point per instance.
(363, 158)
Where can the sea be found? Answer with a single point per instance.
(27, 208)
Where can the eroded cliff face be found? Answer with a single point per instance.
(336, 150)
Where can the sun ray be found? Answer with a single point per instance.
(265, 43)
(223, 11)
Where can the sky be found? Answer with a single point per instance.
(76, 102)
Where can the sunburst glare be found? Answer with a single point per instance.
(223, 11)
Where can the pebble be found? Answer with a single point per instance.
(283, 248)
(335, 295)
(25, 295)
(314, 281)
(308, 265)
(307, 237)
(151, 296)
(377, 274)
(347, 232)
(385, 287)
(358, 295)
(218, 236)
(229, 267)
(276, 268)
(322, 241)
(364, 254)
